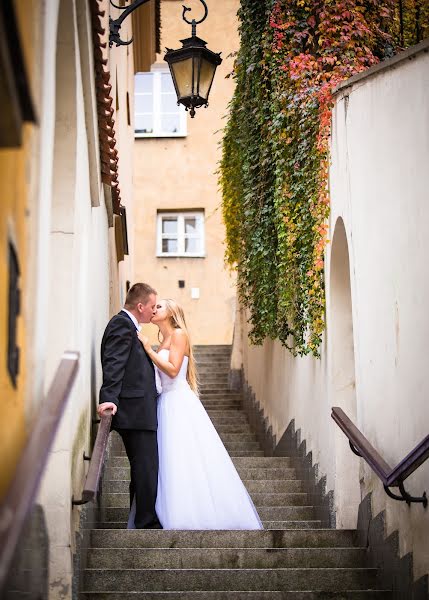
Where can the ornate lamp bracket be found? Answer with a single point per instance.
(194, 23)
(115, 24)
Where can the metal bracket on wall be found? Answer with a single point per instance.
(116, 24)
(404, 495)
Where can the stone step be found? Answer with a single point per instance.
(213, 375)
(290, 486)
(212, 355)
(212, 347)
(286, 513)
(287, 486)
(214, 402)
(227, 416)
(114, 472)
(220, 404)
(247, 445)
(280, 498)
(225, 558)
(203, 352)
(297, 579)
(121, 460)
(206, 386)
(214, 363)
(231, 394)
(155, 538)
(247, 595)
(208, 356)
(232, 453)
(263, 473)
(266, 462)
(237, 436)
(246, 453)
(312, 524)
(266, 513)
(262, 499)
(214, 380)
(277, 525)
(258, 474)
(235, 427)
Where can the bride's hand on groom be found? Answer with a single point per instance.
(145, 341)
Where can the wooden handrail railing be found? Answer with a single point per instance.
(97, 459)
(22, 491)
(390, 477)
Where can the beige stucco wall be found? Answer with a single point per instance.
(180, 173)
(374, 352)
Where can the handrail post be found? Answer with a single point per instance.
(92, 479)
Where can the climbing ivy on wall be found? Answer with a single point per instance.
(274, 166)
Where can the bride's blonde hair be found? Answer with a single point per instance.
(177, 319)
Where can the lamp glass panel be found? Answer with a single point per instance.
(182, 70)
(207, 72)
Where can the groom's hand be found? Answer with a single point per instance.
(105, 406)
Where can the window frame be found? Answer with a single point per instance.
(156, 109)
(181, 235)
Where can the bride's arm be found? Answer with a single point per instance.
(178, 346)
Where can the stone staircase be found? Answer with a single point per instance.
(294, 558)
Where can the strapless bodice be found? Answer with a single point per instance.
(173, 383)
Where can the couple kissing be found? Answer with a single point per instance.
(182, 477)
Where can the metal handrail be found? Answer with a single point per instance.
(22, 491)
(92, 479)
(390, 477)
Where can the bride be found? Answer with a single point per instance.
(198, 485)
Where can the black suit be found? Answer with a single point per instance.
(129, 382)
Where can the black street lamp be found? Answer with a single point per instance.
(193, 67)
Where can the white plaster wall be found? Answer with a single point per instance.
(41, 207)
(76, 269)
(379, 182)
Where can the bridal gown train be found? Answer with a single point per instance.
(198, 485)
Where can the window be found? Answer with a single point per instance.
(180, 234)
(156, 110)
(15, 93)
(14, 309)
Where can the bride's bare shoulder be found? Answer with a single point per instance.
(180, 339)
(179, 335)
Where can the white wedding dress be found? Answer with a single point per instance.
(198, 485)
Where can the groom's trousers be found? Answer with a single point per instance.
(142, 450)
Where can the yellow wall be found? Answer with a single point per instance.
(14, 175)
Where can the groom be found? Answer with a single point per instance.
(129, 390)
